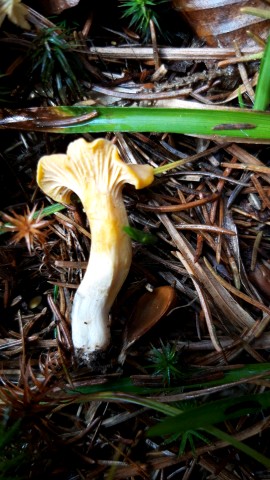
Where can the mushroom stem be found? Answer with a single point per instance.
(107, 269)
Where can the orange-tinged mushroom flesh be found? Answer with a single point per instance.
(96, 174)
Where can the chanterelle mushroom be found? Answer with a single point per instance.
(96, 173)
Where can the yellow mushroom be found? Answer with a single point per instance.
(15, 11)
(96, 173)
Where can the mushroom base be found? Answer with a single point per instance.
(97, 361)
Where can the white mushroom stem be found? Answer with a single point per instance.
(107, 270)
(96, 173)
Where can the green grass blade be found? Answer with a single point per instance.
(240, 446)
(123, 385)
(118, 397)
(140, 236)
(230, 124)
(7, 434)
(236, 374)
(212, 413)
(262, 94)
(50, 210)
(126, 385)
(174, 413)
(258, 12)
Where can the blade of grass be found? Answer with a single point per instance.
(7, 434)
(262, 95)
(50, 210)
(126, 384)
(240, 99)
(114, 396)
(212, 413)
(236, 374)
(258, 12)
(239, 445)
(231, 124)
(192, 417)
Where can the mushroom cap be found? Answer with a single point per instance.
(86, 167)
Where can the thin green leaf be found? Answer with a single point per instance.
(7, 434)
(140, 236)
(124, 385)
(240, 99)
(262, 94)
(257, 12)
(117, 396)
(212, 413)
(188, 437)
(175, 413)
(239, 445)
(233, 375)
(229, 124)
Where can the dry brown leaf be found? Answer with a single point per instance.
(57, 6)
(219, 23)
(149, 309)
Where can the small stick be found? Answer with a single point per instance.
(154, 43)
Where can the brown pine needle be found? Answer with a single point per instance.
(178, 208)
(243, 166)
(255, 250)
(204, 304)
(235, 291)
(263, 196)
(209, 228)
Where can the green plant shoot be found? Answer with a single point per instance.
(140, 236)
